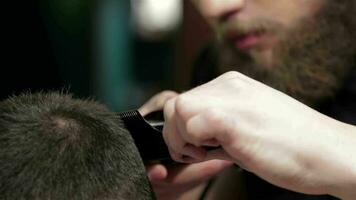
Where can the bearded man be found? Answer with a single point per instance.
(305, 49)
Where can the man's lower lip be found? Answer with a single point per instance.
(246, 42)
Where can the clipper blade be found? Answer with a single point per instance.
(148, 138)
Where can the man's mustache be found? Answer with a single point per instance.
(240, 27)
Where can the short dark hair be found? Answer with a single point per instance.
(53, 146)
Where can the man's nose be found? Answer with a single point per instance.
(221, 10)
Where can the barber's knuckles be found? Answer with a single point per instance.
(184, 107)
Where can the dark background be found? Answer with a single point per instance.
(27, 59)
(50, 45)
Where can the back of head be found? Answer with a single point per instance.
(55, 147)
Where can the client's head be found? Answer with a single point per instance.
(55, 147)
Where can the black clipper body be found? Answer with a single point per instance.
(147, 134)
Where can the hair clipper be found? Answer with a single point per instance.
(147, 134)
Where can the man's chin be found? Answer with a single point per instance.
(300, 65)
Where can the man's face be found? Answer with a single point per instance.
(255, 27)
(301, 47)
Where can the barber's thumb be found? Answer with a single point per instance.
(156, 172)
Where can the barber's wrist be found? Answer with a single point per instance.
(345, 188)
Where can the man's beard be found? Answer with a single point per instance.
(312, 61)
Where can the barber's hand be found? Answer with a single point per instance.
(262, 130)
(178, 181)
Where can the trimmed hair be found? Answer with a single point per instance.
(55, 147)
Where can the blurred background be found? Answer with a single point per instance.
(120, 52)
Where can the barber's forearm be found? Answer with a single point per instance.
(345, 188)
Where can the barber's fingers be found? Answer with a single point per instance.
(210, 126)
(185, 108)
(156, 102)
(191, 153)
(169, 132)
(211, 143)
(180, 151)
(189, 122)
(214, 154)
(218, 153)
(157, 172)
(189, 149)
(182, 174)
(173, 140)
(183, 152)
(197, 172)
(178, 157)
(192, 103)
